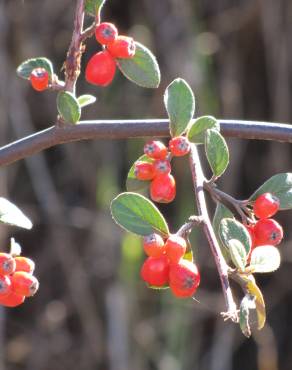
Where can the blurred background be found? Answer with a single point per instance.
(92, 310)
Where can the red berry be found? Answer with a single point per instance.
(161, 167)
(24, 264)
(155, 149)
(155, 271)
(12, 300)
(175, 248)
(268, 232)
(39, 79)
(179, 146)
(7, 264)
(100, 69)
(5, 285)
(163, 189)
(184, 279)
(153, 245)
(105, 33)
(24, 283)
(144, 170)
(266, 205)
(122, 47)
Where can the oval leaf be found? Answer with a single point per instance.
(220, 213)
(12, 215)
(237, 253)
(216, 151)
(93, 7)
(230, 228)
(265, 259)
(68, 107)
(255, 291)
(137, 214)
(24, 69)
(245, 306)
(197, 132)
(281, 186)
(87, 99)
(179, 102)
(133, 184)
(142, 69)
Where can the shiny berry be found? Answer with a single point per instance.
(5, 285)
(175, 248)
(161, 167)
(144, 171)
(7, 264)
(155, 271)
(122, 47)
(184, 279)
(24, 264)
(39, 79)
(155, 149)
(12, 300)
(153, 245)
(105, 33)
(24, 283)
(100, 69)
(266, 205)
(179, 146)
(163, 189)
(268, 232)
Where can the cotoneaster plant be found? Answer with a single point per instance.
(243, 237)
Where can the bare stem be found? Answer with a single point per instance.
(222, 267)
(188, 226)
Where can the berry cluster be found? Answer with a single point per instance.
(16, 279)
(265, 231)
(158, 168)
(101, 67)
(165, 265)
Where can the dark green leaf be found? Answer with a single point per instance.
(25, 68)
(133, 184)
(230, 228)
(179, 102)
(279, 185)
(220, 213)
(216, 151)
(68, 107)
(142, 69)
(12, 215)
(93, 7)
(265, 259)
(197, 131)
(86, 99)
(137, 214)
(237, 253)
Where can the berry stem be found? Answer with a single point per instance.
(222, 267)
(188, 226)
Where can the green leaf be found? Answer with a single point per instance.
(179, 102)
(86, 99)
(220, 213)
(216, 151)
(68, 107)
(255, 291)
(237, 253)
(142, 69)
(246, 304)
(24, 69)
(138, 215)
(197, 131)
(230, 228)
(93, 7)
(265, 259)
(133, 184)
(12, 215)
(279, 185)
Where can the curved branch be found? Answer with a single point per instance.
(122, 129)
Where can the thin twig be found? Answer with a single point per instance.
(123, 129)
(188, 226)
(222, 267)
